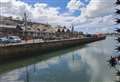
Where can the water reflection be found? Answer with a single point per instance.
(87, 64)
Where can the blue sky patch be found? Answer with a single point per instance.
(57, 3)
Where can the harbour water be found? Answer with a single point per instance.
(86, 63)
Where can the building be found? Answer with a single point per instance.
(9, 26)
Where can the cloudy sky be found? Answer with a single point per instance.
(86, 15)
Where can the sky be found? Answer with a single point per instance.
(89, 16)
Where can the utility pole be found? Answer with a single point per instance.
(25, 24)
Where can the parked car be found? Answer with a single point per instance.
(14, 39)
(4, 40)
(88, 35)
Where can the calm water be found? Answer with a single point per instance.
(79, 64)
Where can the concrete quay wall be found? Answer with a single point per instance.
(32, 49)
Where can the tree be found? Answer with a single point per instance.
(118, 2)
(18, 27)
(63, 30)
(117, 11)
(58, 30)
(117, 20)
(68, 31)
(114, 60)
(118, 38)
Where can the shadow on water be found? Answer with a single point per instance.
(19, 63)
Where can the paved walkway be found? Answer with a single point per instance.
(34, 41)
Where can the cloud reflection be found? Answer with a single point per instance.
(85, 64)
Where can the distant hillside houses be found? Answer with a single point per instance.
(9, 22)
(30, 25)
(10, 26)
